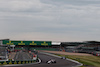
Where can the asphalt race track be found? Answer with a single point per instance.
(22, 56)
(44, 58)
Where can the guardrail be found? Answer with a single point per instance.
(17, 62)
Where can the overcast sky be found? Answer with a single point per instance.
(50, 20)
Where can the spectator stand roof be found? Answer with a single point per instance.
(72, 43)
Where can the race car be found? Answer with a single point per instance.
(63, 57)
(51, 61)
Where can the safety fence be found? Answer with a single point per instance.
(17, 62)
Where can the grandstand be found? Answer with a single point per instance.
(83, 47)
(71, 46)
(90, 47)
(92, 44)
(31, 45)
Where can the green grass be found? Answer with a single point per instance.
(87, 61)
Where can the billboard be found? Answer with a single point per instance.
(38, 43)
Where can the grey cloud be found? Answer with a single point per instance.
(55, 18)
(74, 2)
(23, 5)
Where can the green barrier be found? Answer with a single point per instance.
(34, 43)
(16, 62)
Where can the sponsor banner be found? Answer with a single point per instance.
(34, 43)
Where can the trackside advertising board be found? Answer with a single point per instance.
(38, 43)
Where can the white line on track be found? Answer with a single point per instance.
(17, 55)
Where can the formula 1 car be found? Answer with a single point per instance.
(63, 57)
(51, 61)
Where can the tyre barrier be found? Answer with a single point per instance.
(16, 62)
